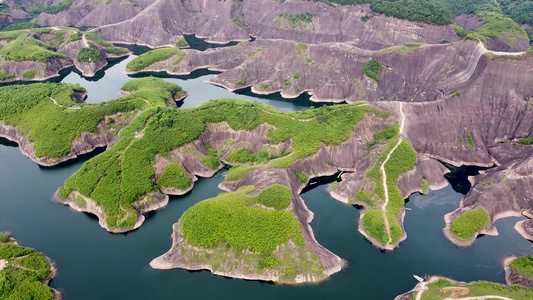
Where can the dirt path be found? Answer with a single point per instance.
(72, 107)
(85, 43)
(384, 177)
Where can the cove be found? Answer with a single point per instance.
(93, 264)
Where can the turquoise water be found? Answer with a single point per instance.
(94, 264)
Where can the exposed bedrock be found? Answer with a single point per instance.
(494, 108)
(480, 127)
(43, 71)
(334, 72)
(223, 21)
(87, 69)
(87, 13)
(512, 277)
(85, 143)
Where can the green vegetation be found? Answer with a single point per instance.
(303, 21)
(21, 25)
(181, 56)
(182, 43)
(286, 84)
(466, 225)
(334, 185)
(233, 231)
(523, 266)
(174, 176)
(38, 8)
(297, 76)
(80, 201)
(242, 81)
(24, 48)
(233, 219)
(405, 48)
(95, 38)
(25, 272)
(425, 186)
(151, 57)
(401, 160)
(238, 22)
(243, 156)
(526, 141)
(52, 128)
(29, 74)
(5, 75)
(302, 176)
(89, 55)
(470, 141)
(256, 51)
(118, 51)
(301, 48)
(128, 164)
(211, 160)
(456, 94)
(497, 25)
(74, 37)
(488, 183)
(276, 196)
(372, 69)
(265, 87)
(443, 288)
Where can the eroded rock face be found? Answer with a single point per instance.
(480, 127)
(43, 71)
(334, 72)
(87, 13)
(511, 277)
(222, 22)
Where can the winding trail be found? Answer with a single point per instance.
(85, 41)
(384, 177)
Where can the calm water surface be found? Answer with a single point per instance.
(94, 264)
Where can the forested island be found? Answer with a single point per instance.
(416, 85)
(24, 272)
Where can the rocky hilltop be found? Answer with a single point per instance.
(38, 54)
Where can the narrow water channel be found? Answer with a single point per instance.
(94, 264)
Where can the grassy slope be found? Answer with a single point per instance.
(151, 57)
(26, 270)
(437, 290)
(51, 127)
(233, 222)
(401, 160)
(523, 266)
(164, 129)
(470, 222)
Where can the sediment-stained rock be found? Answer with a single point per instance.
(222, 22)
(511, 277)
(334, 72)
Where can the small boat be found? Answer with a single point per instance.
(407, 208)
(420, 279)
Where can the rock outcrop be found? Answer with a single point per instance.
(221, 22)
(511, 277)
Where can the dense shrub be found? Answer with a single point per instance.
(233, 219)
(276, 196)
(470, 222)
(151, 57)
(523, 266)
(29, 74)
(174, 176)
(89, 55)
(372, 69)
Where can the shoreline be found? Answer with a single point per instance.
(11, 133)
